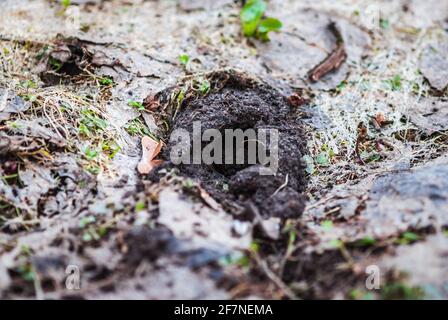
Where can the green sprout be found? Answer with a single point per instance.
(253, 23)
(136, 127)
(91, 122)
(137, 105)
(395, 83)
(140, 206)
(110, 148)
(205, 87)
(55, 64)
(384, 23)
(365, 242)
(327, 225)
(184, 59)
(106, 81)
(65, 3)
(408, 237)
(90, 154)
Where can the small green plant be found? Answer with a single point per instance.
(408, 237)
(184, 59)
(357, 294)
(292, 237)
(395, 83)
(65, 3)
(322, 159)
(26, 269)
(106, 81)
(13, 124)
(29, 97)
(93, 169)
(27, 272)
(253, 23)
(136, 127)
(205, 87)
(341, 86)
(140, 206)
(86, 221)
(55, 64)
(28, 84)
(369, 157)
(365, 242)
(327, 225)
(384, 23)
(110, 148)
(91, 122)
(90, 154)
(310, 167)
(137, 105)
(91, 231)
(83, 130)
(64, 106)
(336, 244)
(237, 259)
(400, 291)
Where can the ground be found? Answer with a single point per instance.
(82, 83)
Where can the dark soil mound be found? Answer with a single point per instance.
(243, 103)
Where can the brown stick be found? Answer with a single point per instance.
(333, 61)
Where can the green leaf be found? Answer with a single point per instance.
(106, 81)
(395, 83)
(90, 154)
(66, 3)
(335, 243)
(267, 25)
(184, 59)
(310, 168)
(410, 236)
(365, 242)
(384, 24)
(327, 225)
(140, 206)
(137, 105)
(250, 16)
(86, 220)
(322, 159)
(83, 130)
(205, 87)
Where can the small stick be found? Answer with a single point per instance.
(333, 61)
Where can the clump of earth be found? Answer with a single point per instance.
(244, 103)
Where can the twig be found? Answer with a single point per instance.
(281, 187)
(275, 279)
(333, 61)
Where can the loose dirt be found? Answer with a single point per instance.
(243, 103)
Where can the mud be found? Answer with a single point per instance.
(244, 103)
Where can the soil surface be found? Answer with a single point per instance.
(241, 103)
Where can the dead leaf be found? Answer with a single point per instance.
(151, 149)
(152, 102)
(10, 103)
(434, 65)
(380, 120)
